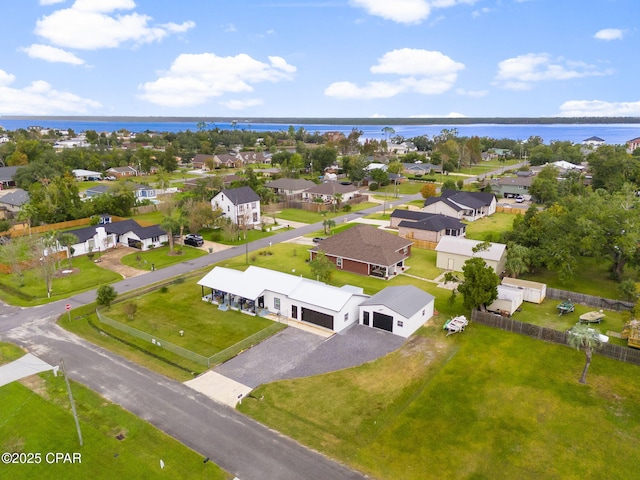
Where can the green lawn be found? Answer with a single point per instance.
(484, 404)
(491, 227)
(253, 234)
(88, 276)
(592, 277)
(164, 313)
(303, 216)
(37, 418)
(423, 263)
(546, 315)
(160, 258)
(151, 218)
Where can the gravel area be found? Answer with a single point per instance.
(294, 353)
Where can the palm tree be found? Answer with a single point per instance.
(170, 225)
(328, 224)
(583, 337)
(338, 197)
(68, 239)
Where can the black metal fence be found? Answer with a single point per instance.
(617, 352)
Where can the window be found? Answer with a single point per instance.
(339, 262)
(400, 323)
(241, 208)
(346, 317)
(155, 239)
(255, 217)
(276, 303)
(253, 205)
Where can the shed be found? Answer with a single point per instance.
(508, 301)
(534, 292)
(453, 252)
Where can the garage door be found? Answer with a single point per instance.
(382, 321)
(317, 318)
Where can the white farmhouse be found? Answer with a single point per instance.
(241, 205)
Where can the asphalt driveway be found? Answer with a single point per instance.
(295, 353)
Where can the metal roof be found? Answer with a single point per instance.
(407, 300)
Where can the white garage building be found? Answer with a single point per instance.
(400, 310)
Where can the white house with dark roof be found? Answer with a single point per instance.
(7, 175)
(400, 310)
(127, 233)
(258, 291)
(593, 141)
(289, 186)
(428, 227)
(326, 192)
(452, 252)
(461, 204)
(241, 205)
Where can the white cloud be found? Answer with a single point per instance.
(50, 2)
(348, 90)
(472, 93)
(242, 104)
(599, 108)
(195, 78)
(609, 34)
(87, 25)
(52, 54)
(39, 98)
(420, 71)
(378, 115)
(412, 61)
(518, 73)
(406, 11)
(400, 11)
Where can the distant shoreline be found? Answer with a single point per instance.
(339, 120)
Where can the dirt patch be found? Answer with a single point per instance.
(65, 272)
(37, 385)
(110, 260)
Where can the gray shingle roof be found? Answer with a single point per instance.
(241, 195)
(7, 173)
(290, 184)
(434, 223)
(407, 300)
(331, 188)
(366, 244)
(15, 198)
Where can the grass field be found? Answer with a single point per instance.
(160, 258)
(486, 404)
(491, 227)
(303, 216)
(88, 276)
(35, 416)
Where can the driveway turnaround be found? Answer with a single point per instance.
(293, 353)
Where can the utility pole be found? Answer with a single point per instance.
(73, 404)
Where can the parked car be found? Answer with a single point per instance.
(519, 199)
(193, 240)
(110, 178)
(317, 239)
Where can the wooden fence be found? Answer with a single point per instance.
(21, 229)
(616, 352)
(589, 300)
(517, 211)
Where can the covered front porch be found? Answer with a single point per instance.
(232, 301)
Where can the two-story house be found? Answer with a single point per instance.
(241, 205)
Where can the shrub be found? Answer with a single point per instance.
(373, 187)
(106, 295)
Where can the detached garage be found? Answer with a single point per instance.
(399, 310)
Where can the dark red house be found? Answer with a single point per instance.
(366, 250)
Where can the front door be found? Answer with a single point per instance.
(365, 318)
(294, 311)
(261, 302)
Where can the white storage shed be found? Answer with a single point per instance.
(534, 292)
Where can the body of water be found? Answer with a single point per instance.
(618, 133)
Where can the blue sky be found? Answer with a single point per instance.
(321, 58)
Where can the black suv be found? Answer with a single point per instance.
(193, 240)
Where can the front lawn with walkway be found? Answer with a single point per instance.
(160, 257)
(482, 404)
(490, 228)
(304, 216)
